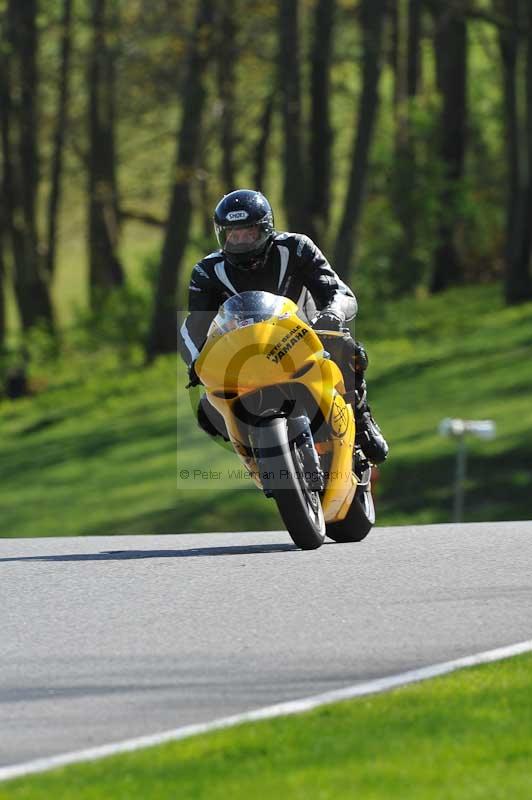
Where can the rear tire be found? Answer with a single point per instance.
(299, 506)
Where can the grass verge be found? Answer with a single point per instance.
(100, 448)
(464, 736)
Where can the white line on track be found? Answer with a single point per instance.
(278, 710)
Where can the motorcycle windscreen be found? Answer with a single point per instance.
(248, 308)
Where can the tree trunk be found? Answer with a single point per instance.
(59, 137)
(163, 334)
(406, 267)
(451, 67)
(227, 60)
(18, 79)
(105, 269)
(527, 239)
(294, 187)
(2, 269)
(261, 148)
(320, 124)
(3, 193)
(372, 16)
(415, 10)
(29, 160)
(407, 50)
(517, 284)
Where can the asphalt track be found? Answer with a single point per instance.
(107, 638)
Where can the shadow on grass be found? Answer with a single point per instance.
(498, 488)
(197, 511)
(43, 423)
(24, 456)
(476, 366)
(193, 552)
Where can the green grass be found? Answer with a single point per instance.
(463, 737)
(459, 355)
(95, 449)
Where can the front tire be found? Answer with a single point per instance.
(299, 506)
(359, 519)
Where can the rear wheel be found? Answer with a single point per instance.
(299, 506)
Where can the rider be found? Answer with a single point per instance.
(254, 256)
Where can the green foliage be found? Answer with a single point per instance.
(151, 44)
(405, 210)
(12, 361)
(119, 322)
(22, 353)
(463, 736)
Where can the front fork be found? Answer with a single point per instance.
(300, 443)
(299, 431)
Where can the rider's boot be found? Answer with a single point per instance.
(368, 434)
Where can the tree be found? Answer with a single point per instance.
(407, 15)
(517, 91)
(2, 272)
(527, 239)
(294, 174)
(261, 147)
(320, 123)
(59, 135)
(19, 124)
(450, 43)
(6, 184)
(415, 13)
(372, 21)
(105, 269)
(163, 334)
(227, 55)
(2, 240)
(407, 28)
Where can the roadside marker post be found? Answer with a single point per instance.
(458, 429)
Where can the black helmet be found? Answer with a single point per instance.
(243, 221)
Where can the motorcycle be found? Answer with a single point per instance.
(282, 398)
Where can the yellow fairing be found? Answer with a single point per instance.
(279, 351)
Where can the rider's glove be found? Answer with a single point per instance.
(361, 358)
(193, 379)
(356, 357)
(328, 321)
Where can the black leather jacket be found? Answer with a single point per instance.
(294, 268)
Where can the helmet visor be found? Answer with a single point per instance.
(243, 239)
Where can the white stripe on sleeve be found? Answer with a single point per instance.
(191, 347)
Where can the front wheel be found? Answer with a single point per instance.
(282, 467)
(359, 519)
